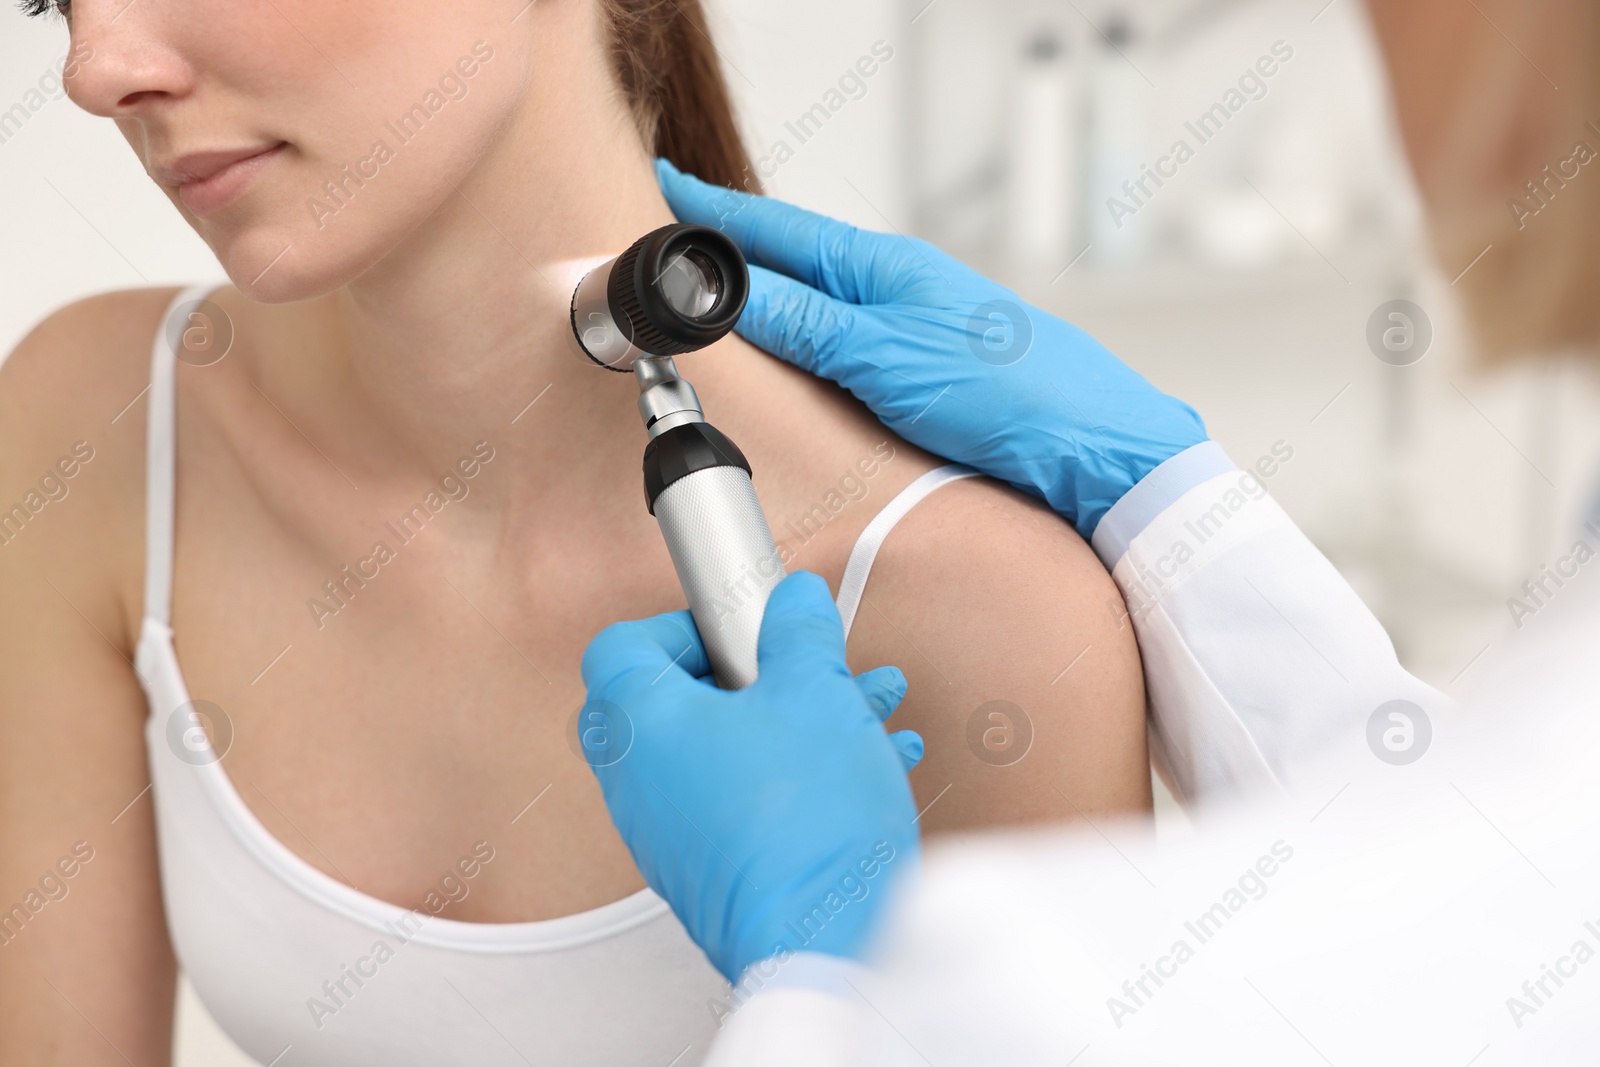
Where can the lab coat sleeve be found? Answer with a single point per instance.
(1396, 928)
(789, 1028)
(1259, 658)
(799, 1011)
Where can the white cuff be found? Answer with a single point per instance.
(1155, 493)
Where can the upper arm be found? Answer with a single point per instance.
(1025, 680)
(86, 970)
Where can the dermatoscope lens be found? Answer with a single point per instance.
(674, 290)
(690, 283)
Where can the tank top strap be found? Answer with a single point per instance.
(856, 569)
(161, 455)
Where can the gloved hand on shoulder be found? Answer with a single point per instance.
(946, 358)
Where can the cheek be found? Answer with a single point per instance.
(366, 164)
(349, 31)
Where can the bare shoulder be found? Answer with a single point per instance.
(1008, 563)
(72, 436)
(1025, 676)
(80, 367)
(72, 715)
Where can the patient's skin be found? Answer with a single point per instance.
(371, 353)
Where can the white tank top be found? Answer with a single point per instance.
(300, 969)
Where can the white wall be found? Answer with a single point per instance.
(782, 59)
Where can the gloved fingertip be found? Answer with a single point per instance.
(675, 182)
(800, 629)
(800, 588)
(689, 198)
(800, 596)
(898, 675)
(884, 688)
(654, 645)
(908, 743)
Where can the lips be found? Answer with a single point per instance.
(206, 182)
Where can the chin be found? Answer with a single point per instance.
(279, 262)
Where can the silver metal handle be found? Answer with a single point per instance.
(727, 563)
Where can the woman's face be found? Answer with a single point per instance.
(303, 139)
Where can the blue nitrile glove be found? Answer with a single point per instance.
(773, 819)
(948, 359)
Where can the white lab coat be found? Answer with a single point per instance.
(1349, 911)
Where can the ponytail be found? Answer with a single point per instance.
(669, 72)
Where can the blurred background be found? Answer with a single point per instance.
(1252, 280)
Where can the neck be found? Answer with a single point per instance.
(449, 338)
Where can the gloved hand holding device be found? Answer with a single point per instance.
(775, 817)
(946, 358)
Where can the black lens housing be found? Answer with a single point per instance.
(680, 451)
(642, 311)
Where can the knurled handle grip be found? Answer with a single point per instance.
(727, 563)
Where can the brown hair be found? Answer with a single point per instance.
(669, 71)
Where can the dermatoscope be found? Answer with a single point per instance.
(676, 290)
